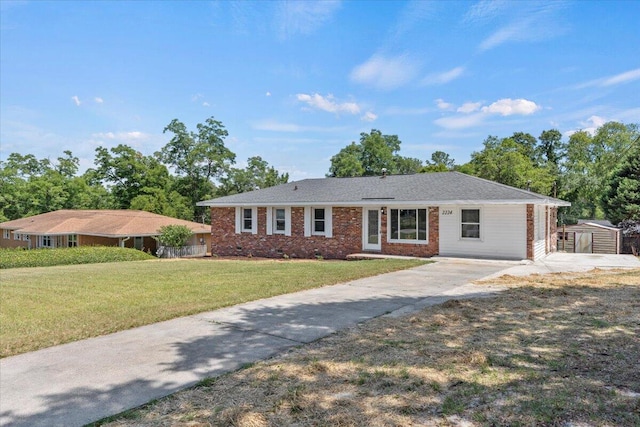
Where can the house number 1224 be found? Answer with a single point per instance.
(447, 212)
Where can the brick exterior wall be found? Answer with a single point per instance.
(347, 236)
(530, 231)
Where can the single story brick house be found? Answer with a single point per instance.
(446, 214)
(69, 228)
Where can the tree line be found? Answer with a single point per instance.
(192, 166)
(598, 173)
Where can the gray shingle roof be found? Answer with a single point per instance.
(433, 188)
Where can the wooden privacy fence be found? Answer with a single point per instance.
(182, 251)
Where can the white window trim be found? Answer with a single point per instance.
(240, 220)
(411, 241)
(16, 235)
(72, 238)
(309, 219)
(271, 221)
(6, 234)
(471, 239)
(41, 240)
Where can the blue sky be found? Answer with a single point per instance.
(294, 82)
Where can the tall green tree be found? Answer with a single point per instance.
(589, 164)
(197, 158)
(347, 162)
(440, 162)
(621, 199)
(128, 173)
(29, 186)
(507, 161)
(257, 175)
(374, 153)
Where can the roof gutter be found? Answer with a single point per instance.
(389, 202)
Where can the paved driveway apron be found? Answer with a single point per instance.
(81, 382)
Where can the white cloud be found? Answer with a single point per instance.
(76, 100)
(206, 104)
(485, 10)
(443, 105)
(469, 107)
(98, 100)
(442, 78)
(328, 103)
(302, 17)
(525, 21)
(509, 107)
(590, 125)
(369, 117)
(385, 72)
(626, 77)
(121, 136)
(473, 114)
(267, 94)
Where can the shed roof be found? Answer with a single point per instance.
(105, 223)
(433, 188)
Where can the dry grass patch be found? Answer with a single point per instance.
(551, 350)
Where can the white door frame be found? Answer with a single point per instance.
(370, 242)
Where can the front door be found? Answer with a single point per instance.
(371, 230)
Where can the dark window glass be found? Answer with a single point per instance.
(408, 224)
(280, 220)
(318, 221)
(247, 216)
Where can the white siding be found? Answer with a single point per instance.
(503, 232)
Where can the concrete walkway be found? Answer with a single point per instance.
(81, 382)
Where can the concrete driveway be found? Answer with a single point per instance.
(81, 382)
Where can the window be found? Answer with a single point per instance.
(319, 221)
(46, 241)
(26, 238)
(408, 224)
(16, 236)
(6, 234)
(279, 221)
(470, 220)
(247, 219)
(72, 240)
(138, 242)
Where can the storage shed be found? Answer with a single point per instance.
(589, 237)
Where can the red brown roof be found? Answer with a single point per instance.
(106, 223)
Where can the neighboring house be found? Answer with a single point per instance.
(447, 214)
(69, 228)
(591, 237)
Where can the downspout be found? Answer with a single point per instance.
(122, 240)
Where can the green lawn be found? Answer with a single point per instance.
(46, 306)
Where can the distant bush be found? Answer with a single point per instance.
(15, 258)
(174, 235)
